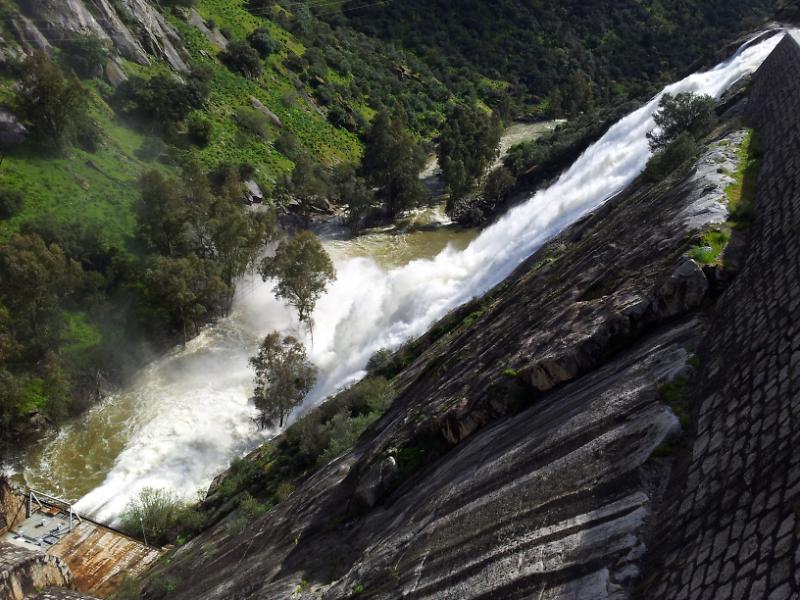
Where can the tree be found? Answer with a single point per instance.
(360, 200)
(242, 57)
(186, 290)
(164, 99)
(262, 42)
(162, 212)
(684, 112)
(392, 162)
(498, 184)
(468, 144)
(34, 279)
(51, 106)
(86, 54)
(283, 378)
(11, 202)
(302, 269)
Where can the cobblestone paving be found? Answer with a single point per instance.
(733, 532)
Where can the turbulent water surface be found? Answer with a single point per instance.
(186, 415)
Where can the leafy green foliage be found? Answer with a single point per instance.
(163, 99)
(241, 57)
(392, 162)
(53, 107)
(86, 55)
(283, 378)
(302, 270)
(262, 42)
(523, 52)
(681, 150)
(153, 514)
(199, 130)
(468, 144)
(11, 202)
(682, 113)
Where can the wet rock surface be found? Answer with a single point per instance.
(576, 446)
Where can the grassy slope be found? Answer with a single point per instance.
(101, 187)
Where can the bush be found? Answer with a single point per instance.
(242, 58)
(152, 148)
(164, 99)
(498, 184)
(11, 202)
(686, 112)
(155, 512)
(252, 121)
(262, 42)
(86, 55)
(199, 130)
(665, 161)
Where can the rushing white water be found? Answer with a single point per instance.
(189, 412)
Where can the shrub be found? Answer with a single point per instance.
(85, 54)
(199, 130)
(498, 184)
(154, 512)
(11, 202)
(252, 121)
(152, 148)
(242, 58)
(665, 161)
(164, 99)
(686, 112)
(262, 42)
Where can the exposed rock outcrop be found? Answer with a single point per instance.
(259, 106)
(538, 416)
(600, 426)
(153, 35)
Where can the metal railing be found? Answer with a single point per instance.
(60, 503)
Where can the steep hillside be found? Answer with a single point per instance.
(547, 56)
(567, 435)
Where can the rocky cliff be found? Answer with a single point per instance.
(613, 421)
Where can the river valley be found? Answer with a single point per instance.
(183, 418)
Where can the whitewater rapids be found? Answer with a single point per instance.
(188, 415)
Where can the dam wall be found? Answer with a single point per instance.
(732, 530)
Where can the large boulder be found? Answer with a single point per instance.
(259, 106)
(12, 132)
(375, 483)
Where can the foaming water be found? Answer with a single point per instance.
(189, 412)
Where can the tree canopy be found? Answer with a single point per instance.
(684, 112)
(302, 270)
(283, 377)
(392, 162)
(469, 142)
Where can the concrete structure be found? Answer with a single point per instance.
(24, 572)
(732, 531)
(48, 539)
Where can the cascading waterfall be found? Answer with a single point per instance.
(188, 413)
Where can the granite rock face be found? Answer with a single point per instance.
(151, 37)
(600, 426)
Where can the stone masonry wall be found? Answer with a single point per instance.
(733, 530)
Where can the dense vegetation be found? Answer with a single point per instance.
(123, 221)
(555, 57)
